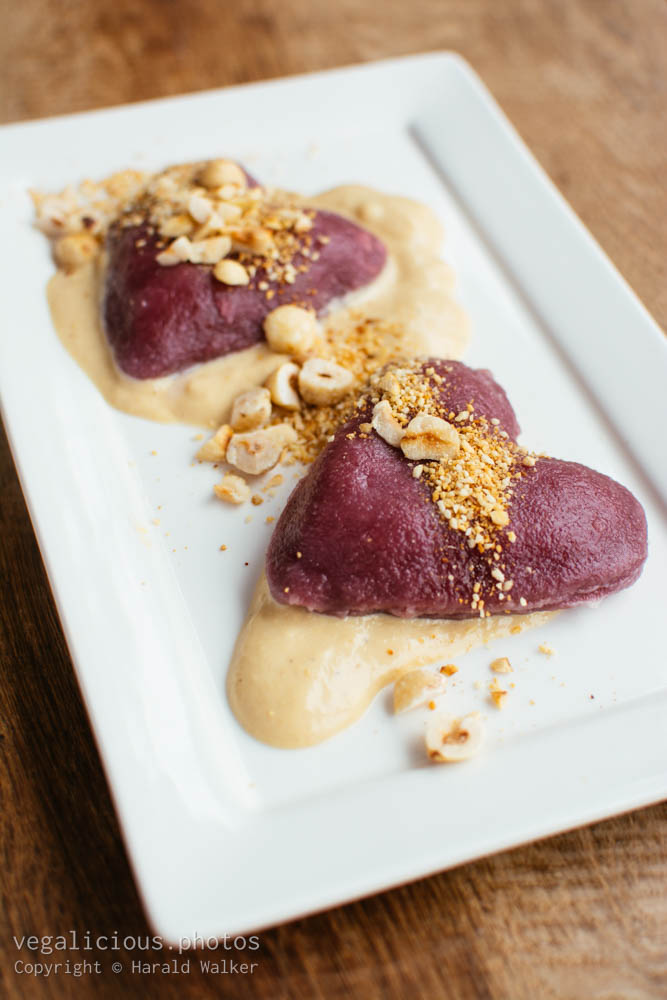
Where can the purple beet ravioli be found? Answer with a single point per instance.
(368, 530)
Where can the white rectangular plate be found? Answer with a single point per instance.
(225, 834)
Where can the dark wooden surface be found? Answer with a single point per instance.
(583, 915)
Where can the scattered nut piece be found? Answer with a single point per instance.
(124, 183)
(210, 251)
(74, 250)
(386, 424)
(449, 739)
(177, 252)
(449, 669)
(232, 489)
(259, 241)
(181, 248)
(256, 499)
(282, 385)
(177, 225)
(200, 208)
(417, 688)
(215, 449)
(428, 437)
(502, 665)
(251, 409)
(227, 212)
(217, 173)
(390, 384)
(291, 329)
(500, 517)
(257, 451)
(498, 695)
(322, 381)
(230, 272)
(546, 649)
(168, 259)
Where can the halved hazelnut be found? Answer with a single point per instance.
(449, 739)
(282, 385)
(251, 409)
(428, 437)
(256, 451)
(322, 381)
(386, 424)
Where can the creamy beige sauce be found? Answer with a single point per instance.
(413, 292)
(298, 677)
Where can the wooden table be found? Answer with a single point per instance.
(582, 915)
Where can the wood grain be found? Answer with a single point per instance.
(583, 915)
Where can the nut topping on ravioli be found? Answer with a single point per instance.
(199, 254)
(424, 504)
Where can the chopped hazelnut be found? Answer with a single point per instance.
(230, 272)
(232, 489)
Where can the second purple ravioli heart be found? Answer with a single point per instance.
(424, 505)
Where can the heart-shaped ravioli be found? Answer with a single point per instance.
(161, 318)
(425, 505)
